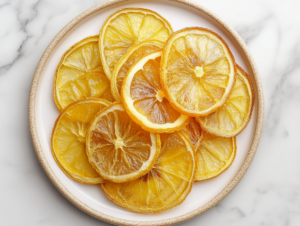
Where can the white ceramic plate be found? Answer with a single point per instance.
(43, 114)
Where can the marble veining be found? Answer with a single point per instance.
(268, 195)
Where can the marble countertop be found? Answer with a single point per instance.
(269, 193)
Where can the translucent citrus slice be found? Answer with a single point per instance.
(119, 149)
(144, 100)
(197, 71)
(194, 133)
(165, 186)
(127, 27)
(68, 140)
(134, 54)
(234, 115)
(80, 74)
(214, 156)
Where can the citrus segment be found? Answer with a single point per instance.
(165, 186)
(126, 28)
(80, 74)
(234, 115)
(134, 54)
(119, 149)
(214, 156)
(194, 133)
(197, 71)
(68, 140)
(145, 100)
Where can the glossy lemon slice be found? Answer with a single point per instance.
(80, 74)
(197, 71)
(234, 115)
(126, 28)
(68, 140)
(165, 186)
(119, 149)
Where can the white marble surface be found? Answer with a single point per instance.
(268, 195)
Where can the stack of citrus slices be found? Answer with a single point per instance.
(146, 112)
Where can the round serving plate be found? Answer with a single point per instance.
(43, 113)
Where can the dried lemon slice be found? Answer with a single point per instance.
(79, 74)
(194, 133)
(134, 54)
(119, 149)
(144, 100)
(197, 71)
(127, 27)
(234, 115)
(68, 140)
(165, 186)
(214, 156)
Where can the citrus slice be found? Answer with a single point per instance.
(144, 100)
(165, 186)
(197, 71)
(134, 54)
(68, 140)
(119, 149)
(127, 27)
(214, 156)
(194, 133)
(234, 115)
(80, 74)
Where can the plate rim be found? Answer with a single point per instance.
(175, 220)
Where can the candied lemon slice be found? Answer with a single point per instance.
(197, 71)
(134, 54)
(165, 186)
(194, 133)
(80, 74)
(126, 28)
(145, 100)
(119, 149)
(68, 140)
(214, 156)
(234, 115)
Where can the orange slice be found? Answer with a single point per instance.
(144, 100)
(79, 74)
(197, 71)
(194, 133)
(214, 156)
(234, 115)
(119, 149)
(165, 186)
(134, 54)
(126, 28)
(68, 140)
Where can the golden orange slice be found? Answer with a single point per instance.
(214, 156)
(119, 149)
(68, 140)
(197, 71)
(145, 100)
(165, 186)
(234, 115)
(134, 54)
(126, 28)
(80, 74)
(194, 133)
